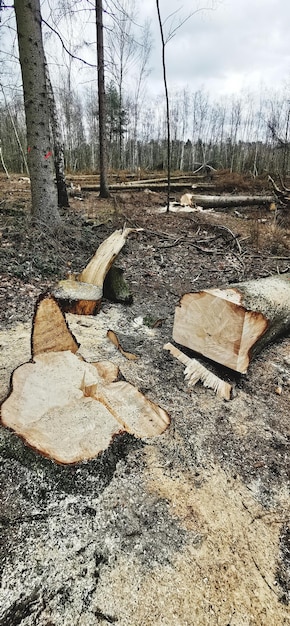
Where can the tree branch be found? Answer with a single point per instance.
(73, 56)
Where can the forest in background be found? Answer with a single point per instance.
(248, 133)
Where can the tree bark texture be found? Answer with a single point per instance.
(231, 325)
(40, 157)
(104, 188)
(231, 201)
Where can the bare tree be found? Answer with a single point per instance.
(40, 156)
(122, 54)
(62, 194)
(104, 188)
(163, 42)
(143, 70)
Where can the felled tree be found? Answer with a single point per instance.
(231, 325)
(70, 410)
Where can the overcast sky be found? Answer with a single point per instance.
(240, 45)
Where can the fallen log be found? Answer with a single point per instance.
(70, 410)
(231, 325)
(230, 201)
(156, 185)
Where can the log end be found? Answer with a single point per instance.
(215, 325)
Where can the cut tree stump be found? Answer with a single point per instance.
(70, 410)
(77, 297)
(83, 295)
(231, 325)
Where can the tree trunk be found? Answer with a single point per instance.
(232, 325)
(62, 195)
(40, 159)
(163, 42)
(104, 188)
(231, 201)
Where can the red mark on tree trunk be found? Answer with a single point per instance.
(48, 154)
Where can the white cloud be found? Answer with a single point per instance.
(239, 45)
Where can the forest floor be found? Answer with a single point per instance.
(191, 527)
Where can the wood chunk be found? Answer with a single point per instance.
(229, 201)
(96, 270)
(50, 332)
(195, 372)
(65, 408)
(76, 297)
(83, 296)
(231, 325)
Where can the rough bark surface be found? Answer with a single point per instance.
(40, 157)
(231, 201)
(104, 188)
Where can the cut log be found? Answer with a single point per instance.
(231, 325)
(70, 410)
(230, 201)
(83, 295)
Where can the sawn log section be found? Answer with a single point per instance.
(231, 325)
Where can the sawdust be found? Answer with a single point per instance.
(187, 528)
(226, 572)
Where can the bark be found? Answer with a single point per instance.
(104, 188)
(231, 201)
(62, 194)
(231, 325)
(3, 162)
(143, 185)
(40, 158)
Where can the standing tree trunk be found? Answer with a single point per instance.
(40, 159)
(167, 105)
(62, 195)
(104, 188)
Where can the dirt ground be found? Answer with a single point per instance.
(189, 528)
